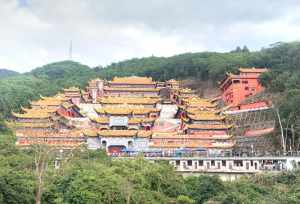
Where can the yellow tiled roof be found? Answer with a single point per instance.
(100, 119)
(206, 116)
(33, 125)
(131, 89)
(128, 100)
(90, 133)
(132, 80)
(196, 110)
(186, 90)
(45, 109)
(32, 115)
(172, 81)
(144, 133)
(72, 89)
(199, 102)
(125, 110)
(124, 133)
(46, 103)
(57, 97)
(67, 105)
(49, 133)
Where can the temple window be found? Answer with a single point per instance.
(104, 144)
(130, 144)
(213, 162)
(223, 163)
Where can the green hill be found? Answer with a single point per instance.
(19, 90)
(208, 65)
(7, 73)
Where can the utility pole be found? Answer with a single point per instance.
(70, 50)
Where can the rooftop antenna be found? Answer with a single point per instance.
(70, 51)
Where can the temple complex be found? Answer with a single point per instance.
(131, 115)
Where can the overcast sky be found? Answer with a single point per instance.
(37, 32)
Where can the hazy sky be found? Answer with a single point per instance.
(36, 32)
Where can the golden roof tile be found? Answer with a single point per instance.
(185, 91)
(90, 133)
(131, 89)
(128, 100)
(49, 133)
(67, 105)
(125, 110)
(132, 80)
(206, 116)
(33, 125)
(34, 115)
(72, 89)
(124, 133)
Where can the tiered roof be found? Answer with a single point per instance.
(47, 102)
(51, 134)
(199, 102)
(128, 100)
(125, 110)
(33, 125)
(32, 115)
(131, 89)
(72, 89)
(206, 116)
(132, 80)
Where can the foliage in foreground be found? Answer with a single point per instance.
(91, 177)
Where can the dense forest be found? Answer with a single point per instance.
(27, 176)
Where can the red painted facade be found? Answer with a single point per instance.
(236, 88)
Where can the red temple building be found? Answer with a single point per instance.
(236, 88)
